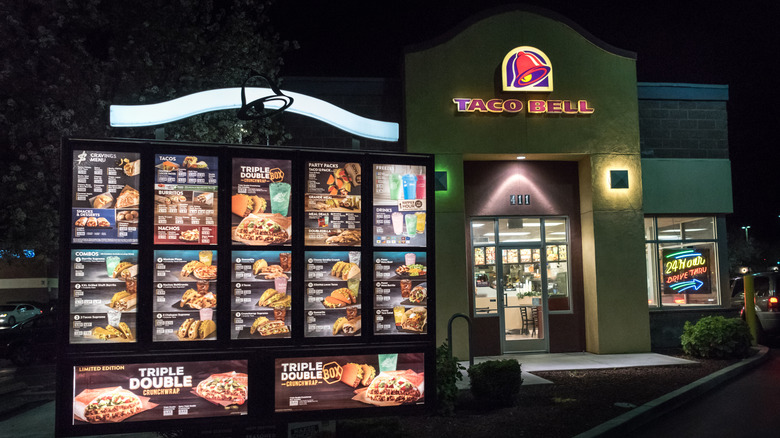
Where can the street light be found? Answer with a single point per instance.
(746, 228)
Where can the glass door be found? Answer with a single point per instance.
(523, 292)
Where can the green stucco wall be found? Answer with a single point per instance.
(681, 186)
(468, 66)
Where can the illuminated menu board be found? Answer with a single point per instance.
(348, 382)
(332, 294)
(261, 301)
(399, 210)
(332, 203)
(686, 271)
(185, 200)
(185, 295)
(260, 202)
(105, 197)
(119, 393)
(400, 293)
(103, 295)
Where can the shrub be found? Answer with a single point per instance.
(716, 337)
(448, 372)
(496, 382)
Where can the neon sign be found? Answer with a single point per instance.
(468, 105)
(525, 69)
(686, 271)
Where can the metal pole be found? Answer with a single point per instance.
(750, 309)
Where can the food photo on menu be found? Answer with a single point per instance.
(185, 200)
(399, 209)
(332, 294)
(260, 202)
(159, 391)
(400, 292)
(104, 295)
(261, 302)
(332, 204)
(185, 295)
(345, 382)
(105, 198)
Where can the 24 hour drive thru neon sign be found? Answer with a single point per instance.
(686, 271)
(231, 98)
(524, 69)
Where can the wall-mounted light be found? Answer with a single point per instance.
(440, 181)
(618, 179)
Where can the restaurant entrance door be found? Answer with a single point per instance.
(522, 307)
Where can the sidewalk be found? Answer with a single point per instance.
(39, 422)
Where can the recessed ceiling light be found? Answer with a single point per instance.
(521, 157)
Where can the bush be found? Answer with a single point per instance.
(716, 337)
(496, 382)
(448, 372)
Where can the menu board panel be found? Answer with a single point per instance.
(185, 295)
(159, 391)
(686, 271)
(332, 294)
(185, 199)
(260, 201)
(399, 205)
(260, 281)
(104, 202)
(332, 203)
(349, 382)
(400, 293)
(103, 295)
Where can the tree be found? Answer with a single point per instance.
(64, 62)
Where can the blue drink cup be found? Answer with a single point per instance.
(410, 186)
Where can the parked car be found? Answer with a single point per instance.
(767, 301)
(28, 340)
(10, 314)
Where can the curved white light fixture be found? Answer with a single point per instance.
(230, 98)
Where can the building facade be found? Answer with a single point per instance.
(578, 210)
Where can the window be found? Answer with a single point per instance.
(518, 257)
(682, 261)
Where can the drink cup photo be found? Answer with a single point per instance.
(420, 186)
(206, 314)
(411, 224)
(114, 316)
(280, 197)
(280, 284)
(398, 223)
(420, 222)
(111, 262)
(396, 189)
(410, 186)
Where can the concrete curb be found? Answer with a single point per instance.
(621, 426)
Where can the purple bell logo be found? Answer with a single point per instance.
(527, 69)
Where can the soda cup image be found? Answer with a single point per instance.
(411, 224)
(280, 197)
(420, 186)
(398, 223)
(410, 186)
(396, 189)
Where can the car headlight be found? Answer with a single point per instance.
(3, 315)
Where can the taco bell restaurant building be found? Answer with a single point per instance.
(576, 209)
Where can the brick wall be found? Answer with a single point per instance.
(683, 129)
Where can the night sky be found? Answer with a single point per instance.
(684, 41)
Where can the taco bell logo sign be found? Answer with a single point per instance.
(527, 69)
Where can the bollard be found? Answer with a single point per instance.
(750, 306)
